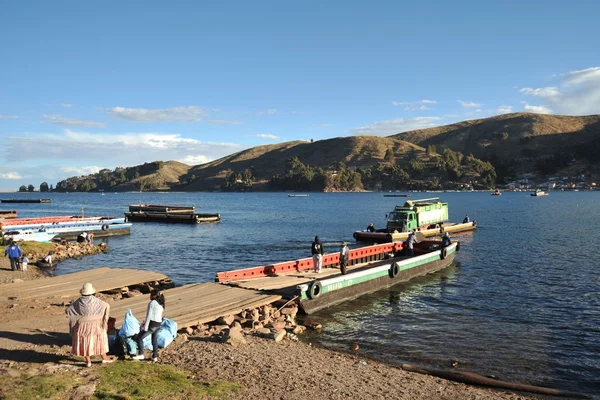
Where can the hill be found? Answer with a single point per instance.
(340, 164)
(154, 176)
(521, 142)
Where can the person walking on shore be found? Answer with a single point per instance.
(344, 256)
(88, 321)
(154, 317)
(317, 253)
(14, 254)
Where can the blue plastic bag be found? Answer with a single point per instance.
(131, 326)
(166, 333)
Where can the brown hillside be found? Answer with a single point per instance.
(266, 161)
(166, 178)
(518, 140)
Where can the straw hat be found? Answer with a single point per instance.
(87, 289)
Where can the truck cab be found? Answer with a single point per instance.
(415, 214)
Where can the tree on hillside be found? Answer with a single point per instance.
(44, 187)
(431, 149)
(389, 156)
(30, 188)
(23, 188)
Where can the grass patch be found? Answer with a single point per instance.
(143, 380)
(30, 247)
(123, 380)
(52, 387)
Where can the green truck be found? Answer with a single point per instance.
(415, 214)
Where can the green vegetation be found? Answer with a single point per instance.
(37, 249)
(49, 387)
(123, 380)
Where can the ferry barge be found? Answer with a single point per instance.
(370, 268)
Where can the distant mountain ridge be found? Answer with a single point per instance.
(520, 142)
(430, 158)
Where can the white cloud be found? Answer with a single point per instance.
(267, 136)
(576, 93)
(224, 122)
(270, 111)
(8, 116)
(398, 125)
(504, 109)
(469, 104)
(195, 160)
(546, 92)
(414, 105)
(79, 171)
(536, 109)
(174, 114)
(73, 148)
(66, 105)
(10, 175)
(59, 120)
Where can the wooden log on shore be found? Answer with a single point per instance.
(471, 378)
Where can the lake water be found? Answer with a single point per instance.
(521, 302)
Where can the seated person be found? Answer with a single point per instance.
(371, 227)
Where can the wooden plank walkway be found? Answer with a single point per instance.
(195, 304)
(68, 286)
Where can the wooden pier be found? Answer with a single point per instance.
(68, 286)
(195, 304)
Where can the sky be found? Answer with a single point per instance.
(92, 85)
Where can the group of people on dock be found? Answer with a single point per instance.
(89, 320)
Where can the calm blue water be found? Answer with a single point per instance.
(522, 302)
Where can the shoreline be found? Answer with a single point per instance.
(288, 369)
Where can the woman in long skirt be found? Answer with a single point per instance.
(88, 321)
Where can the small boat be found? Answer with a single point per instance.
(396, 195)
(297, 195)
(383, 236)
(539, 192)
(8, 214)
(26, 200)
(32, 236)
(497, 192)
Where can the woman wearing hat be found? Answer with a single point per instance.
(88, 321)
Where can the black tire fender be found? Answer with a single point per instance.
(105, 227)
(458, 246)
(354, 235)
(314, 290)
(444, 253)
(389, 237)
(474, 223)
(394, 270)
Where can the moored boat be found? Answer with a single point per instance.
(383, 236)
(322, 293)
(158, 208)
(297, 195)
(26, 200)
(178, 217)
(33, 236)
(8, 214)
(369, 268)
(496, 192)
(539, 192)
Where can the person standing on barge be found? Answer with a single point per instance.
(317, 253)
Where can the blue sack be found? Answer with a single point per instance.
(166, 333)
(131, 326)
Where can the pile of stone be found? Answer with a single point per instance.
(64, 250)
(266, 321)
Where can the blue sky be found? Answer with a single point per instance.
(85, 86)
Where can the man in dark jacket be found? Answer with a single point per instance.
(14, 254)
(317, 253)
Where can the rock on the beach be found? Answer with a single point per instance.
(279, 335)
(299, 330)
(234, 336)
(227, 320)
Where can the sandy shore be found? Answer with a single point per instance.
(35, 338)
